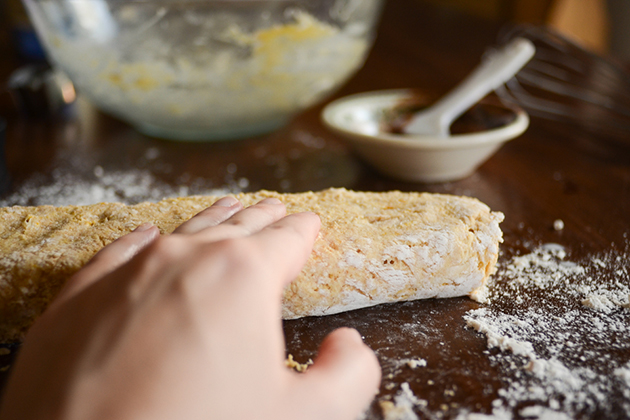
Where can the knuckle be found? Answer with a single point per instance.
(245, 260)
(168, 248)
(236, 228)
(238, 251)
(236, 223)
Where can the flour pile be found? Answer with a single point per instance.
(559, 332)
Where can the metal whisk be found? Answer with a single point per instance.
(565, 82)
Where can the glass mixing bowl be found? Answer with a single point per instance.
(205, 70)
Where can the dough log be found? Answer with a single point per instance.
(373, 248)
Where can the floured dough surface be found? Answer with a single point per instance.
(372, 248)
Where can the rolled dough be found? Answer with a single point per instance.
(373, 248)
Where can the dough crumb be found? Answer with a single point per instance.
(298, 367)
(414, 363)
(599, 303)
(403, 406)
(558, 224)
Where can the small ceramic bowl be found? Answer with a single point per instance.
(362, 121)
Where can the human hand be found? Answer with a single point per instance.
(188, 326)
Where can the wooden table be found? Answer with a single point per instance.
(553, 172)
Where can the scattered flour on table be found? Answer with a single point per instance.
(559, 327)
(63, 188)
(402, 408)
(558, 332)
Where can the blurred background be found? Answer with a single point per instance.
(602, 26)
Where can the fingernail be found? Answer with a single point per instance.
(228, 201)
(271, 200)
(143, 227)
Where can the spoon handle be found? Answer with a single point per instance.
(496, 68)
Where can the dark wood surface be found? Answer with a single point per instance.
(554, 171)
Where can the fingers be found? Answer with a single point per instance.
(218, 213)
(109, 258)
(242, 223)
(287, 244)
(225, 219)
(344, 378)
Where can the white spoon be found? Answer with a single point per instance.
(495, 69)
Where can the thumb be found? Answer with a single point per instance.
(344, 378)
